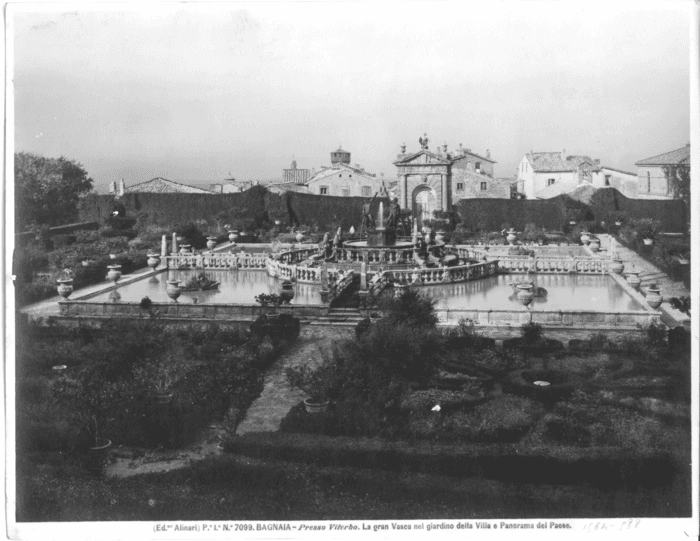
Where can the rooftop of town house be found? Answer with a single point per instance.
(550, 162)
(679, 156)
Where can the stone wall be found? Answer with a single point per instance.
(652, 183)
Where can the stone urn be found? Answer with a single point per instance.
(511, 237)
(65, 287)
(233, 236)
(287, 292)
(617, 266)
(440, 236)
(633, 279)
(299, 237)
(153, 261)
(173, 289)
(594, 245)
(115, 272)
(185, 249)
(211, 242)
(585, 237)
(524, 294)
(654, 297)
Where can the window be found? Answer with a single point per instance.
(607, 180)
(550, 181)
(345, 192)
(323, 190)
(477, 166)
(460, 186)
(366, 191)
(340, 175)
(483, 186)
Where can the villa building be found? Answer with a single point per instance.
(543, 175)
(345, 180)
(157, 185)
(651, 180)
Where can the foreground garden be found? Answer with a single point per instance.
(418, 423)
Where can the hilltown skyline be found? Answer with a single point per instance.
(246, 91)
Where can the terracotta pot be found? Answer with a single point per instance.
(524, 294)
(185, 249)
(617, 266)
(173, 289)
(88, 262)
(287, 290)
(65, 288)
(153, 261)
(115, 272)
(594, 245)
(440, 236)
(654, 297)
(299, 237)
(633, 279)
(233, 235)
(211, 242)
(585, 237)
(316, 408)
(648, 242)
(511, 237)
(97, 455)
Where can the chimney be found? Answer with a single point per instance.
(563, 155)
(469, 151)
(122, 187)
(113, 187)
(597, 162)
(488, 153)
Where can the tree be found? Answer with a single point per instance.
(678, 177)
(47, 190)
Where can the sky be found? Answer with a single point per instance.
(200, 92)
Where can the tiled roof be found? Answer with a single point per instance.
(163, 185)
(460, 156)
(675, 157)
(330, 171)
(617, 170)
(549, 162)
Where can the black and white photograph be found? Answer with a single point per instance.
(343, 269)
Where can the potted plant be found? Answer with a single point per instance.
(65, 283)
(272, 300)
(683, 258)
(594, 244)
(647, 229)
(317, 384)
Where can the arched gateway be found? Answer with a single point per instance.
(424, 181)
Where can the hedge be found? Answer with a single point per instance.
(257, 205)
(493, 214)
(563, 465)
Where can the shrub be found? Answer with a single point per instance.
(411, 308)
(192, 235)
(29, 260)
(655, 335)
(317, 383)
(531, 333)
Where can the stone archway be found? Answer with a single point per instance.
(424, 203)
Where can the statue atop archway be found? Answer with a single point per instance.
(423, 141)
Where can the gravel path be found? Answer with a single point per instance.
(277, 397)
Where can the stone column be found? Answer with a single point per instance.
(443, 179)
(174, 245)
(404, 191)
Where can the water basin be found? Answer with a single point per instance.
(235, 287)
